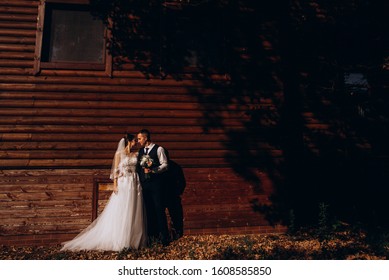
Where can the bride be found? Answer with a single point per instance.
(122, 224)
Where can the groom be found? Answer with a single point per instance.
(151, 181)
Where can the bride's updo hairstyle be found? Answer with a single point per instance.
(128, 138)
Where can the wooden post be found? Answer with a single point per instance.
(39, 36)
(108, 55)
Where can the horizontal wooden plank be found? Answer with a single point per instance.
(73, 87)
(190, 198)
(88, 73)
(210, 178)
(30, 41)
(52, 145)
(17, 33)
(48, 195)
(15, 48)
(108, 113)
(105, 163)
(223, 188)
(118, 129)
(19, 3)
(129, 72)
(211, 208)
(38, 214)
(146, 105)
(185, 162)
(88, 142)
(12, 163)
(51, 175)
(108, 154)
(128, 105)
(112, 137)
(18, 10)
(75, 219)
(17, 25)
(14, 114)
(49, 154)
(16, 55)
(12, 157)
(78, 175)
(18, 18)
(210, 97)
(99, 152)
(26, 206)
(103, 80)
(111, 146)
(91, 96)
(143, 121)
(16, 63)
(22, 186)
(27, 177)
(216, 199)
(17, 71)
(206, 184)
(42, 228)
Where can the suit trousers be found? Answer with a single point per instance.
(155, 210)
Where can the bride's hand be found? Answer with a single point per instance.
(115, 187)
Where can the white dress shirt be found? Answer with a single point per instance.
(161, 157)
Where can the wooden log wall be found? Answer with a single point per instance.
(59, 130)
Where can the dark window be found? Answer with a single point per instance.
(71, 34)
(69, 37)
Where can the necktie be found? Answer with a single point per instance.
(147, 151)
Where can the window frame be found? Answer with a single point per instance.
(99, 185)
(39, 64)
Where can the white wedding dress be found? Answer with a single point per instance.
(122, 224)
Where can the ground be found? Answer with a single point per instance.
(342, 245)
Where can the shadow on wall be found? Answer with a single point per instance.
(283, 66)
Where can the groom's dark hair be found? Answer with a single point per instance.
(146, 133)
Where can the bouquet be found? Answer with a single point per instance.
(146, 162)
